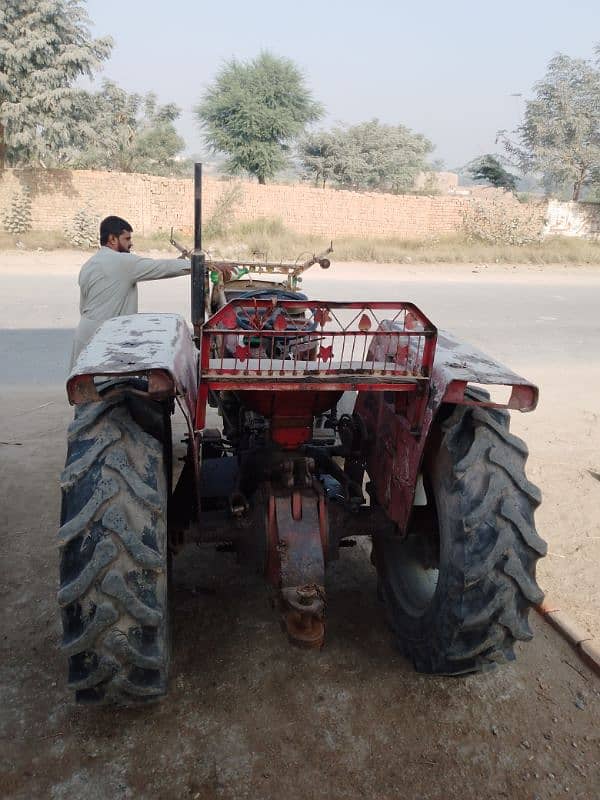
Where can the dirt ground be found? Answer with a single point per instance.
(247, 716)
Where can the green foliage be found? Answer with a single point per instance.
(489, 169)
(132, 133)
(370, 155)
(83, 232)
(45, 46)
(560, 135)
(253, 111)
(223, 213)
(17, 217)
(269, 227)
(321, 153)
(500, 222)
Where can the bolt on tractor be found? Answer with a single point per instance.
(337, 420)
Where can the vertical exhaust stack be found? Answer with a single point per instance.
(198, 271)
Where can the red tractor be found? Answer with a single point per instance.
(339, 419)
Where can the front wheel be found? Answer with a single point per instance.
(458, 588)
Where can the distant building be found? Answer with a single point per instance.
(437, 182)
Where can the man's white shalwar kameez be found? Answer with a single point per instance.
(108, 288)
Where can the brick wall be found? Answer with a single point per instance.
(153, 203)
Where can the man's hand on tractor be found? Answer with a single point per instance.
(226, 274)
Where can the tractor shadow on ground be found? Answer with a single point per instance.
(222, 611)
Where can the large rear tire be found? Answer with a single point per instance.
(113, 552)
(459, 587)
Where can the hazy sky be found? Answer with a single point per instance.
(445, 69)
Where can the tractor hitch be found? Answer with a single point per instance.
(302, 611)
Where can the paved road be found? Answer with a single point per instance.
(542, 321)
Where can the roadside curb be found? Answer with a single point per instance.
(586, 647)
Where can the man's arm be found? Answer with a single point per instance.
(151, 269)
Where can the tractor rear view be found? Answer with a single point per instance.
(337, 420)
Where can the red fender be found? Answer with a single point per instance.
(395, 450)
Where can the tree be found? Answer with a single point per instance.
(560, 135)
(253, 111)
(488, 168)
(45, 45)
(370, 155)
(321, 153)
(129, 133)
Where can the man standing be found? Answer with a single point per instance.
(108, 280)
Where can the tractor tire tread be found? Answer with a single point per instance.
(113, 546)
(490, 559)
(486, 629)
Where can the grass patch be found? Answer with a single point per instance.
(34, 240)
(269, 238)
(58, 240)
(158, 241)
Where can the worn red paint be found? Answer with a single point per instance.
(291, 360)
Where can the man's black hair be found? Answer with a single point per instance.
(114, 225)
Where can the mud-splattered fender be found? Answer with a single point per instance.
(395, 452)
(457, 364)
(158, 347)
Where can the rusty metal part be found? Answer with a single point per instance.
(185, 252)
(296, 505)
(299, 556)
(303, 608)
(306, 599)
(292, 270)
(297, 538)
(302, 555)
(304, 630)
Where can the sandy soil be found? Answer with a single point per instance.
(249, 717)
